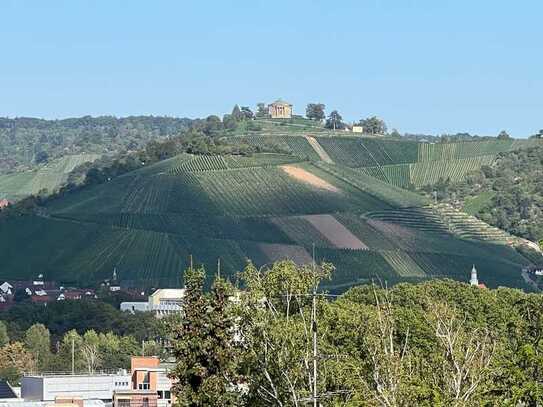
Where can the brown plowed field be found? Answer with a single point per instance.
(302, 175)
(335, 232)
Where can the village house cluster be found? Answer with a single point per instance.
(39, 291)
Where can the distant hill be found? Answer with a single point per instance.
(46, 177)
(25, 142)
(334, 192)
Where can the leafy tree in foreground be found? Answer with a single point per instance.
(15, 360)
(4, 337)
(437, 343)
(38, 343)
(204, 346)
(275, 326)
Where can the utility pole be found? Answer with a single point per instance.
(314, 329)
(73, 356)
(315, 350)
(219, 267)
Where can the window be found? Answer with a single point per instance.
(160, 394)
(144, 386)
(167, 394)
(145, 402)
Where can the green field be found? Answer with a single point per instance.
(476, 203)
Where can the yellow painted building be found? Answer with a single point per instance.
(280, 110)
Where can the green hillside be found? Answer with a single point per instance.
(401, 163)
(149, 222)
(49, 176)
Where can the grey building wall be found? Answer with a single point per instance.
(88, 387)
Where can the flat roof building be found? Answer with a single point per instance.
(48, 387)
(163, 301)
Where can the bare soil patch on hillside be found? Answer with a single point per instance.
(305, 176)
(335, 232)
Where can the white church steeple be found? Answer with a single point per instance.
(473, 280)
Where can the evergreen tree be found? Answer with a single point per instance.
(237, 114)
(335, 121)
(203, 345)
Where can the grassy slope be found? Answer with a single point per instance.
(474, 204)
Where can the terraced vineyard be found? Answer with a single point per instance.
(470, 227)
(354, 209)
(388, 193)
(367, 152)
(403, 264)
(49, 177)
(271, 191)
(299, 146)
(428, 173)
(218, 163)
(419, 218)
(456, 151)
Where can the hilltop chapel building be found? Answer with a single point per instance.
(280, 110)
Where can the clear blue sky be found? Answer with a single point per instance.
(428, 66)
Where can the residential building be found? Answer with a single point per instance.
(280, 109)
(135, 398)
(150, 385)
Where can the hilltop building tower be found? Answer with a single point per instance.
(473, 280)
(280, 110)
